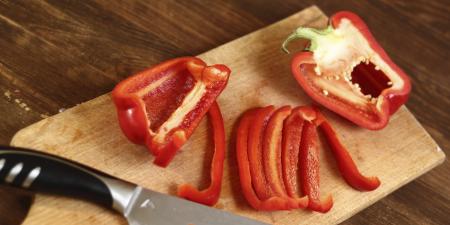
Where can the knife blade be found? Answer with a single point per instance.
(45, 173)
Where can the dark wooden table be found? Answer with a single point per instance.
(56, 54)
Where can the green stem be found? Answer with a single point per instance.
(308, 33)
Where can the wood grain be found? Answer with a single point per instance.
(48, 48)
(88, 134)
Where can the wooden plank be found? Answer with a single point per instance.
(89, 134)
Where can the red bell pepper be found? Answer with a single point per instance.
(347, 71)
(346, 165)
(210, 195)
(160, 107)
(309, 170)
(272, 151)
(255, 152)
(292, 136)
(245, 175)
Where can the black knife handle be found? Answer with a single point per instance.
(45, 173)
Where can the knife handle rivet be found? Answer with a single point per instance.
(2, 164)
(14, 172)
(31, 177)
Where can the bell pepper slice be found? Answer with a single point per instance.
(272, 150)
(346, 165)
(310, 170)
(347, 71)
(161, 106)
(291, 139)
(255, 152)
(245, 175)
(210, 195)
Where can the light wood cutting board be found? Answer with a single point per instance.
(89, 133)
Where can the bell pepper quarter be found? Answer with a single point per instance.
(245, 176)
(161, 106)
(347, 71)
(210, 195)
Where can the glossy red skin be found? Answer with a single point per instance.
(245, 176)
(210, 195)
(393, 99)
(132, 115)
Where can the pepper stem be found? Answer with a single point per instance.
(308, 33)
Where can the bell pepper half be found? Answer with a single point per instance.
(210, 195)
(348, 72)
(161, 106)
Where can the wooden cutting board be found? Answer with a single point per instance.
(89, 133)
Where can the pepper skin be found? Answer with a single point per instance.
(347, 71)
(210, 195)
(161, 106)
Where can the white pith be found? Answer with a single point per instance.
(177, 117)
(190, 101)
(337, 54)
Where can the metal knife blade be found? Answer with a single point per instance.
(152, 208)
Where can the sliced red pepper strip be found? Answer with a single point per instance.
(245, 175)
(272, 151)
(160, 107)
(210, 195)
(292, 135)
(255, 152)
(309, 170)
(348, 72)
(346, 165)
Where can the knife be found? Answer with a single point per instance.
(44, 173)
